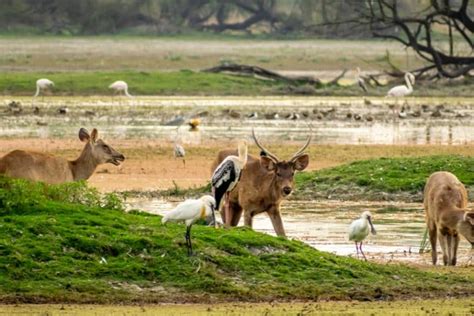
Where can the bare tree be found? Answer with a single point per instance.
(448, 19)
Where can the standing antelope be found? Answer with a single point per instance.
(447, 216)
(264, 183)
(50, 169)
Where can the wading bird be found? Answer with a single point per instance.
(402, 90)
(42, 84)
(360, 229)
(226, 176)
(360, 81)
(120, 86)
(189, 212)
(179, 152)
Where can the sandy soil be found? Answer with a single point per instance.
(150, 164)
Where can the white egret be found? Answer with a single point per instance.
(189, 212)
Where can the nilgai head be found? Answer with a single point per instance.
(283, 171)
(466, 227)
(99, 150)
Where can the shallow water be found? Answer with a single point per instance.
(333, 120)
(323, 225)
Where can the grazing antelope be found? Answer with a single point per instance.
(447, 216)
(264, 183)
(53, 170)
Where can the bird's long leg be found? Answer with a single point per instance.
(363, 255)
(357, 249)
(188, 241)
(184, 163)
(214, 217)
(227, 209)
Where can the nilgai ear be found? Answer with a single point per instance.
(469, 217)
(267, 163)
(84, 135)
(301, 162)
(94, 135)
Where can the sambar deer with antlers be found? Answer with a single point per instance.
(447, 216)
(53, 170)
(264, 183)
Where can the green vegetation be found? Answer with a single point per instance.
(184, 82)
(376, 177)
(58, 248)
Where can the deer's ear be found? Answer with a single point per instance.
(94, 135)
(302, 162)
(267, 163)
(469, 217)
(84, 135)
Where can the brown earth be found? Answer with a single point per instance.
(150, 164)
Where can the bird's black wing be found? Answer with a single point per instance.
(222, 178)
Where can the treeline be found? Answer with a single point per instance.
(275, 17)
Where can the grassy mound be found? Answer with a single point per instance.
(384, 178)
(58, 248)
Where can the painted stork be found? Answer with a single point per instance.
(360, 229)
(226, 176)
(189, 212)
(361, 81)
(179, 152)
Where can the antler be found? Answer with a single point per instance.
(302, 149)
(263, 149)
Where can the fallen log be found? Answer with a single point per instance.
(263, 73)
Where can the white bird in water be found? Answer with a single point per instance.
(179, 152)
(189, 212)
(361, 81)
(402, 90)
(43, 84)
(120, 86)
(360, 229)
(226, 176)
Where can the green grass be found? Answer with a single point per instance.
(52, 244)
(184, 82)
(386, 175)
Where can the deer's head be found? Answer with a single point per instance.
(99, 150)
(283, 171)
(466, 227)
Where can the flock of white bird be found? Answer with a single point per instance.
(227, 174)
(119, 86)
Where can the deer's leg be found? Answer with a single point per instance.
(443, 241)
(236, 211)
(248, 218)
(432, 233)
(455, 246)
(275, 217)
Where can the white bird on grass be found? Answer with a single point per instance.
(360, 229)
(361, 81)
(226, 176)
(120, 86)
(189, 212)
(43, 84)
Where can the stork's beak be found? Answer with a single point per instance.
(372, 228)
